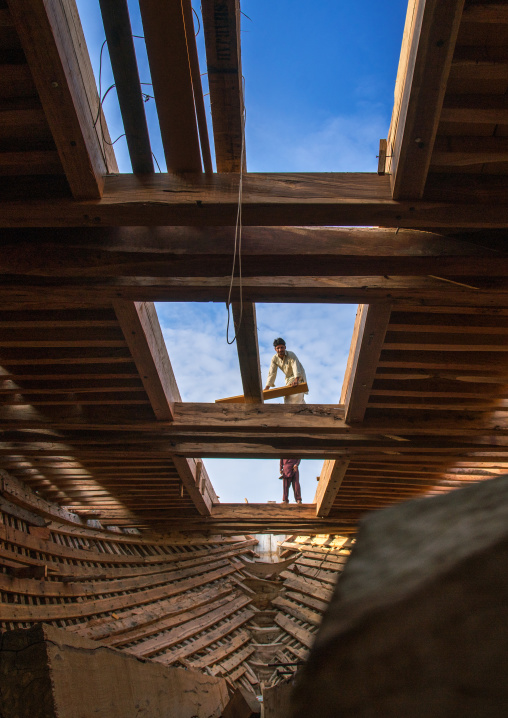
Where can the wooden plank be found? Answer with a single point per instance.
(166, 38)
(273, 199)
(177, 635)
(330, 480)
(53, 41)
(33, 613)
(246, 332)
(266, 394)
(289, 626)
(14, 510)
(208, 638)
(115, 16)
(307, 586)
(299, 612)
(218, 654)
(370, 329)
(219, 598)
(221, 25)
(422, 79)
(143, 334)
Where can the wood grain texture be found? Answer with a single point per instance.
(268, 200)
(422, 79)
(53, 42)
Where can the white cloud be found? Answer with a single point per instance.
(345, 143)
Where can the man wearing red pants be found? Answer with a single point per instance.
(290, 475)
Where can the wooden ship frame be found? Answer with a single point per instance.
(111, 526)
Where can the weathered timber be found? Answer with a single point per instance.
(177, 635)
(421, 84)
(221, 25)
(266, 251)
(197, 645)
(268, 200)
(331, 477)
(41, 612)
(368, 337)
(53, 42)
(143, 334)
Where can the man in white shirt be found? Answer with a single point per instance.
(289, 364)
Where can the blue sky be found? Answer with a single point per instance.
(319, 80)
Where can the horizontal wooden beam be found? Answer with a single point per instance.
(83, 253)
(236, 420)
(352, 199)
(267, 518)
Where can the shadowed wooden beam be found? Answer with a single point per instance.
(244, 316)
(330, 480)
(429, 40)
(166, 44)
(53, 42)
(334, 199)
(144, 336)
(265, 518)
(82, 253)
(234, 421)
(221, 24)
(117, 25)
(197, 483)
(368, 337)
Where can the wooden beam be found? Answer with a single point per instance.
(368, 337)
(53, 41)
(268, 200)
(202, 496)
(463, 151)
(492, 13)
(430, 36)
(330, 480)
(203, 421)
(266, 394)
(474, 109)
(221, 25)
(166, 44)
(246, 331)
(425, 292)
(117, 25)
(83, 253)
(143, 334)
